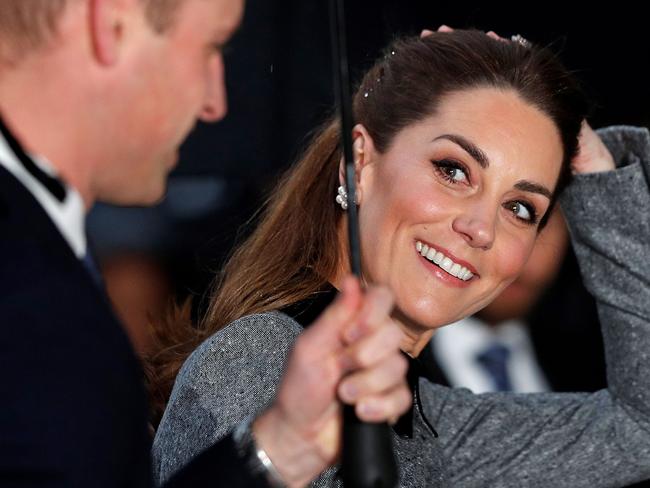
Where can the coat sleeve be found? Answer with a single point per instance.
(221, 464)
(575, 440)
(232, 376)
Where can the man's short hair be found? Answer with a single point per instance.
(29, 24)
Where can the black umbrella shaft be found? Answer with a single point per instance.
(368, 460)
(342, 89)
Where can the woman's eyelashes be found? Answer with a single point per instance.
(522, 211)
(452, 171)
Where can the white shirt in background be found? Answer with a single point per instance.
(456, 347)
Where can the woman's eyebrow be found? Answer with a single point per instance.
(529, 186)
(470, 148)
(481, 158)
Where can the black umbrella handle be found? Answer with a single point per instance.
(368, 460)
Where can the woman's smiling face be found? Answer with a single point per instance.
(465, 188)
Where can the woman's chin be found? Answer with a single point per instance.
(427, 316)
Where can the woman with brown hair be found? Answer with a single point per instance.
(462, 146)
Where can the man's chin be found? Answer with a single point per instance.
(156, 195)
(171, 161)
(144, 196)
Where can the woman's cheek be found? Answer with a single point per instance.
(512, 258)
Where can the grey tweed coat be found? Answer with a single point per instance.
(494, 439)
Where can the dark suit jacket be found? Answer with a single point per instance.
(73, 410)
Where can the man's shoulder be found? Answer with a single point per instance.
(31, 247)
(51, 293)
(71, 383)
(49, 304)
(17, 205)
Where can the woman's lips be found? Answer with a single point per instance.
(451, 256)
(445, 265)
(443, 276)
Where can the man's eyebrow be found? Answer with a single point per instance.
(469, 147)
(529, 186)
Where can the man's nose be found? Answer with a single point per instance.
(215, 103)
(477, 226)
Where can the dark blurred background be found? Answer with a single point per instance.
(280, 88)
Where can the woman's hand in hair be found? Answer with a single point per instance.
(446, 28)
(442, 28)
(352, 354)
(593, 156)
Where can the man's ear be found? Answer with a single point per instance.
(106, 25)
(363, 151)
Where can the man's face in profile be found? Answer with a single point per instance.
(173, 79)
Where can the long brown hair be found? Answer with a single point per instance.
(295, 249)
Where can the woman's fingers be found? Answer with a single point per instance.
(442, 28)
(376, 307)
(323, 337)
(593, 156)
(385, 407)
(446, 28)
(377, 345)
(496, 36)
(383, 377)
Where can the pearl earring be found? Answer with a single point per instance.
(342, 197)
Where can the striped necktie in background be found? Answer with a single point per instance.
(494, 360)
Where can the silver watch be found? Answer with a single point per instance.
(254, 456)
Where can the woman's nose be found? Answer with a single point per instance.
(477, 228)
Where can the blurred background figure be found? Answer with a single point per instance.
(151, 257)
(140, 290)
(540, 334)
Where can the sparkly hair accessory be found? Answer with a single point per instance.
(519, 39)
(367, 93)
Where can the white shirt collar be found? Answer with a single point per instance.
(68, 216)
(456, 347)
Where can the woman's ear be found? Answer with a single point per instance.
(363, 152)
(105, 26)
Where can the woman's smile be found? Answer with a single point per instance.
(444, 265)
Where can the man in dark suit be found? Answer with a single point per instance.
(95, 97)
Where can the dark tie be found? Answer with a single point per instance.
(90, 265)
(494, 359)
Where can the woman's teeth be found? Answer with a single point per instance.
(439, 259)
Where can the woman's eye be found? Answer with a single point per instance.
(451, 171)
(522, 211)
